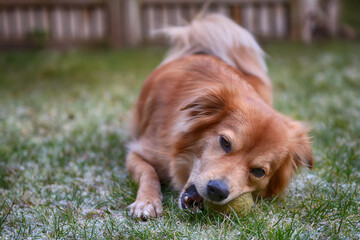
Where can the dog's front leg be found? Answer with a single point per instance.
(148, 200)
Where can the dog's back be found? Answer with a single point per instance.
(219, 36)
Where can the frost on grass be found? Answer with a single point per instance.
(334, 204)
(67, 207)
(302, 182)
(61, 169)
(62, 152)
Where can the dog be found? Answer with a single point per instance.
(204, 123)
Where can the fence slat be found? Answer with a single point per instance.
(5, 24)
(100, 23)
(151, 19)
(72, 24)
(66, 23)
(280, 20)
(178, 19)
(17, 23)
(45, 18)
(165, 16)
(31, 16)
(249, 17)
(58, 23)
(86, 23)
(264, 27)
(115, 23)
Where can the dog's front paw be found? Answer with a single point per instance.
(145, 209)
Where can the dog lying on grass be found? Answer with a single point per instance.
(204, 122)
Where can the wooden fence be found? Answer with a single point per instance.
(63, 23)
(264, 18)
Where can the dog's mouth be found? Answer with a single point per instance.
(192, 200)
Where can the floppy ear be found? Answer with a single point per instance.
(300, 154)
(212, 103)
(201, 113)
(280, 179)
(300, 146)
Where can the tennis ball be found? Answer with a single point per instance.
(240, 205)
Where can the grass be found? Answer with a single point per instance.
(63, 134)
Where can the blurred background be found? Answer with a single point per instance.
(64, 115)
(123, 23)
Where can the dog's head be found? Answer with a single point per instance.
(238, 144)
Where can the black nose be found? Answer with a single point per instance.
(217, 190)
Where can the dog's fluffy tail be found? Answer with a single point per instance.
(217, 35)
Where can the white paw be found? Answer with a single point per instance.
(146, 209)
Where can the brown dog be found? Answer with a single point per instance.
(204, 122)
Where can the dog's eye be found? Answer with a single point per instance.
(257, 172)
(225, 144)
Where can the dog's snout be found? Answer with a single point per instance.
(217, 190)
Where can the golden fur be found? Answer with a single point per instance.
(191, 100)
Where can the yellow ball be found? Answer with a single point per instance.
(240, 205)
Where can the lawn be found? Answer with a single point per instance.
(63, 134)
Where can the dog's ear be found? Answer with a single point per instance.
(300, 154)
(300, 146)
(280, 179)
(211, 103)
(201, 113)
